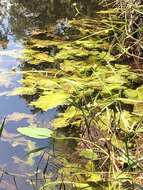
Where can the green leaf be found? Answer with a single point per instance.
(89, 154)
(130, 93)
(88, 44)
(95, 177)
(115, 79)
(139, 130)
(124, 121)
(117, 143)
(70, 53)
(64, 119)
(129, 101)
(23, 91)
(51, 100)
(85, 186)
(136, 94)
(43, 57)
(38, 133)
(128, 121)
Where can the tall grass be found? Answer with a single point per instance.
(127, 35)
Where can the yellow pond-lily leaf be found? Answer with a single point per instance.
(88, 44)
(64, 119)
(72, 65)
(71, 53)
(23, 91)
(51, 100)
(44, 57)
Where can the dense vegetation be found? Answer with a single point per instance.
(91, 71)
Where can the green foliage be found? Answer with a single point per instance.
(96, 95)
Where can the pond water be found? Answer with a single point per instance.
(17, 19)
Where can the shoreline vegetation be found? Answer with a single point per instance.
(90, 70)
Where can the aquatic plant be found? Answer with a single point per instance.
(95, 94)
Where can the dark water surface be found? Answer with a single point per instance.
(17, 19)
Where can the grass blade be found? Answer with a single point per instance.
(2, 127)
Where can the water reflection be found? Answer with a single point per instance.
(25, 15)
(3, 24)
(18, 17)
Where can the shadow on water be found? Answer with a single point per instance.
(17, 19)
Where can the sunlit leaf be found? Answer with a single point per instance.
(95, 177)
(23, 91)
(64, 119)
(117, 143)
(51, 100)
(38, 133)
